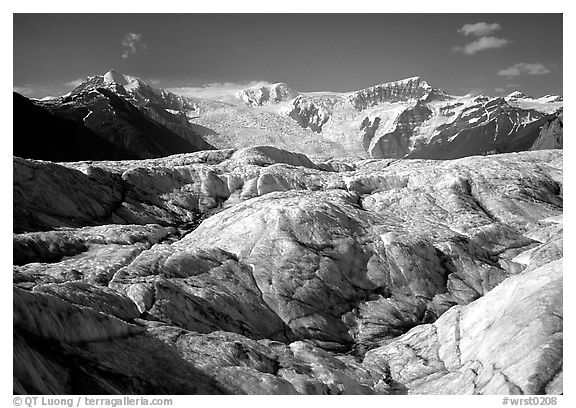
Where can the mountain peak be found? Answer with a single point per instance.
(412, 88)
(517, 95)
(411, 80)
(113, 76)
(111, 79)
(414, 81)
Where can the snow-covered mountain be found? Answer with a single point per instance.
(170, 110)
(140, 120)
(405, 118)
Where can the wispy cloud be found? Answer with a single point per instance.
(473, 91)
(481, 44)
(38, 90)
(524, 68)
(215, 90)
(74, 83)
(133, 44)
(238, 85)
(484, 41)
(153, 81)
(26, 90)
(479, 29)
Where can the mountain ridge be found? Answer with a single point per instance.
(402, 118)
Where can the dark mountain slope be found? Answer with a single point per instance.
(119, 122)
(40, 134)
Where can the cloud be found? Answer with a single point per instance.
(38, 90)
(524, 68)
(236, 85)
(26, 90)
(481, 44)
(133, 45)
(500, 90)
(153, 81)
(484, 41)
(473, 91)
(479, 29)
(215, 90)
(74, 83)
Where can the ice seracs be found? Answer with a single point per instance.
(266, 272)
(260, 270)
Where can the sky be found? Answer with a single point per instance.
(493, 54)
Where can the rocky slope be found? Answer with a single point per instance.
(260, 271)
(551, 134)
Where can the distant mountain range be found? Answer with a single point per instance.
(116, 116)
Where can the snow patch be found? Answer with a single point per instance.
(86, 117)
